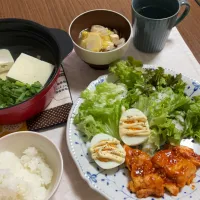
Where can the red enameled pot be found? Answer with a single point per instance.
(52, 45)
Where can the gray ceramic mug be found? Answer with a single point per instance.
(153, 21)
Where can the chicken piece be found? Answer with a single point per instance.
(188, 153)
(147, 185)
(138, 162)
(169, 169)
(174, 167)
(172, 188)
(168, 183)
(144, 181)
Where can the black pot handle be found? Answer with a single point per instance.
(64, 41)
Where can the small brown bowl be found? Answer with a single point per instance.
(107, 18)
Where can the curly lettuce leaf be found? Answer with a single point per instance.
(192, 125)
(131, 73)
(165, 112)
(158, 78)
(101, 110)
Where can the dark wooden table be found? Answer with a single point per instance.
(59, 14)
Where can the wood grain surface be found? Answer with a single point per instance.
(59, 14)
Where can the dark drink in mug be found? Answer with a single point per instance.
(153, 21)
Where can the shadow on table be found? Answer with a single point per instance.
(146, 58)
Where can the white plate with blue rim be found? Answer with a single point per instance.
(112, 184)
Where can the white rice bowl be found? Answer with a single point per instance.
(43, 170)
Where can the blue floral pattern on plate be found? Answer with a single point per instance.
(113, 183)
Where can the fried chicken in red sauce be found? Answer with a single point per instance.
(138, 161)
(174, 169)
(145, 182)
(188, 153)
(169, 169)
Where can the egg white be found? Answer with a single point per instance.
(133, 140)
(110, 164)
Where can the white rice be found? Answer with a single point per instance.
(25, 178)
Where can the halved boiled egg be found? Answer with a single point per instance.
(107, 151)
(133, 127)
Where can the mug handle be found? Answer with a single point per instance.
(185, 13)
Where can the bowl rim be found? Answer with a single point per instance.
(55, 187)
(94, 10)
